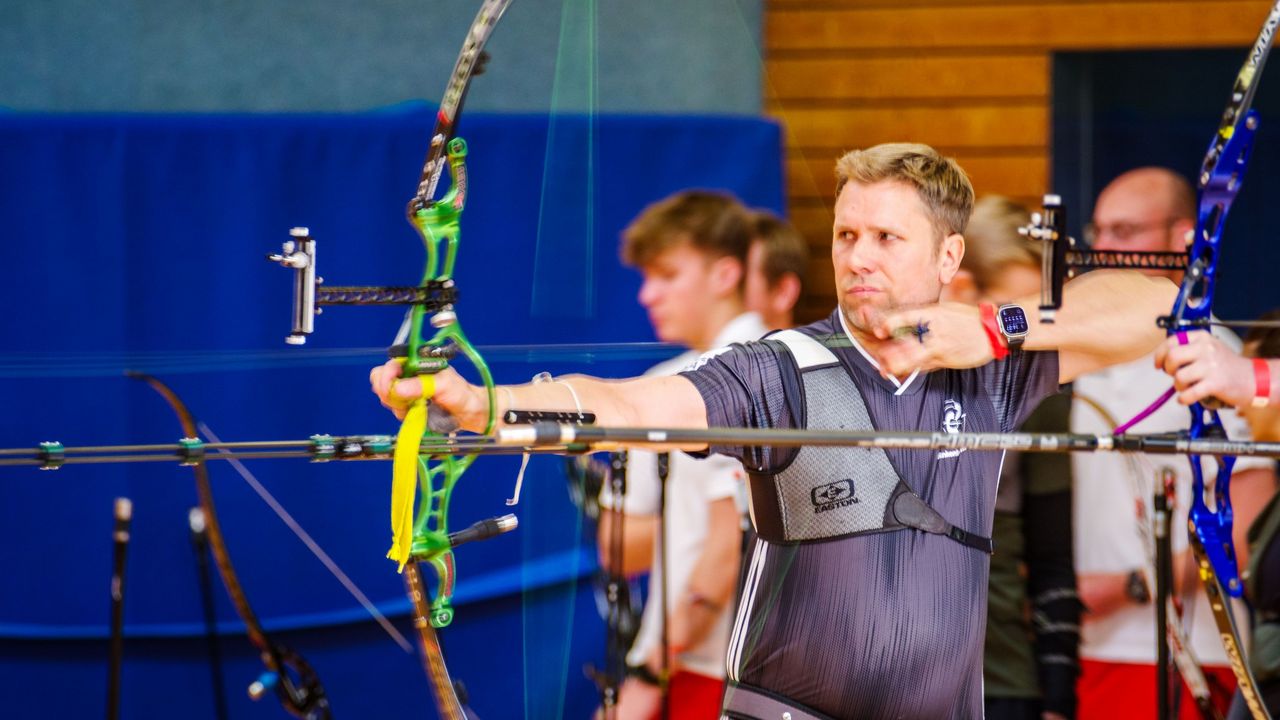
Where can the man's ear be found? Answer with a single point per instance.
(1181, 235)
(725, 274)
(950, 253)
(785, 294)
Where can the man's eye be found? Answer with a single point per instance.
(1124, 231)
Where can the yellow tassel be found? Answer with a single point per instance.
(404, 474)
(404, 481)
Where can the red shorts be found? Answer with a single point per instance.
(694, 696)
(1128, 690)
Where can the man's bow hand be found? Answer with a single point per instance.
(445, 390)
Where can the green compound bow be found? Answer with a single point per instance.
(426, 537)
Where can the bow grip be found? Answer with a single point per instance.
(439, 420)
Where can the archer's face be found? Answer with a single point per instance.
(885, 251)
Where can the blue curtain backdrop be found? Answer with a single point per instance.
(137, 241)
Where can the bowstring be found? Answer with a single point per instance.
(560, 292)
(563, 287)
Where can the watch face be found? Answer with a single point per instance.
(1013, 320)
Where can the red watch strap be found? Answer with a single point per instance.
(994, 336)
(1261, 383)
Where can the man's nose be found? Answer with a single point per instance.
(860, 258)
(649, 293)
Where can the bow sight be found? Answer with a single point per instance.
(308, 296)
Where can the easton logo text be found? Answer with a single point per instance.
(833, 496)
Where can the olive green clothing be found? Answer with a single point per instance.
(1033, 612)
(1264, 655)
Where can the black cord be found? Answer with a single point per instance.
(200, 547)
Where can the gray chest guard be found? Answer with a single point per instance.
(832, 492)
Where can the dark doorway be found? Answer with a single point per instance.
(1113, 111)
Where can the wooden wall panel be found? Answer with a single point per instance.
(970, 77)
(793, 80)
(957, 126)
(1060, 25)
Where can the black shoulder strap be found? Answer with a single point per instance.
(912, 511)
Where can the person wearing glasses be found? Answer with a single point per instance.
(1147, 209)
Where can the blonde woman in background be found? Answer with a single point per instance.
(1033, 613)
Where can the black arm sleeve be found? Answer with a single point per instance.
(1055, 606)
(1051, 577)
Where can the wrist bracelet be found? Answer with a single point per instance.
(1261, 383)
(988, 313)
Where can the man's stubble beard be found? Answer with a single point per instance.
(873, 314)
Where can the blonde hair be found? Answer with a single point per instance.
(992, 242)
(941, 183)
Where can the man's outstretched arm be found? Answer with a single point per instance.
(1107, 317)
(669, 401)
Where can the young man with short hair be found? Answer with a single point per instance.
(691, 249)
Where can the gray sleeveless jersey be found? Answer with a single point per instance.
(881, 625)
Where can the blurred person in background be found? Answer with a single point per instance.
(691, 248)
(776, 265)
(1147, 209)
(1030, 660)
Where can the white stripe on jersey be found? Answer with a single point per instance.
(738, 638)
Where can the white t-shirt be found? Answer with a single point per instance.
(1108, 487)
(692, 485)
